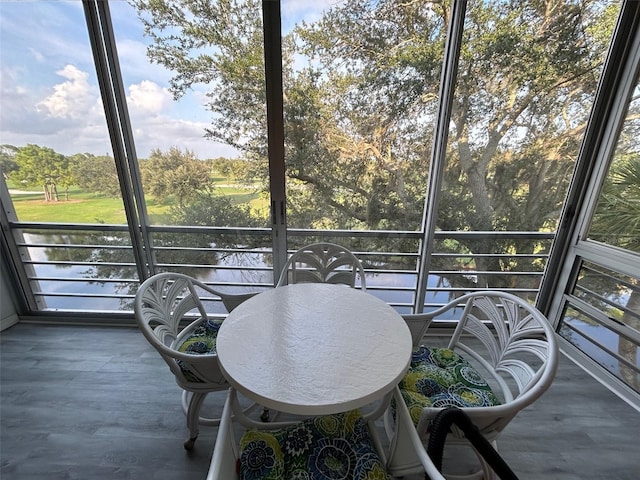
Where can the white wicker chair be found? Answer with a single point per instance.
(323, 263)
(163, 302)
(507, 341)
(228, 460)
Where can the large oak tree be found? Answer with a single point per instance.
(361, 91)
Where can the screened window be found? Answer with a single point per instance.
(57, 160)
(599, 313)
(188, 154)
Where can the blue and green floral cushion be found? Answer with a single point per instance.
(202, 341)
(439, 377)
(329, 447)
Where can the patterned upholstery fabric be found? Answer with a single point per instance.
(439, 377)
(331, 447)
(202, 341)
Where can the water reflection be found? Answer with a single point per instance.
(93, 272)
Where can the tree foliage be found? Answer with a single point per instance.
(219, 44)
(361, 99)
(617, 219)
(174, 173)
(7, 162)
(43, 167)
(96, 174)
(211, 208)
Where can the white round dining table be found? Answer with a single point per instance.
(314, 348)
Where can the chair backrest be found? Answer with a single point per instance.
(163, 303)
(518, 341)
(323, 263)
(511, 344)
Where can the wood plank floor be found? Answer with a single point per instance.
(98, 403)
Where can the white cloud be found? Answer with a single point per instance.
(50, 95)
(148, 97)
(162, 132)
(71, 119)
(70, 99)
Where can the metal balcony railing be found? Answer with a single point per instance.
(90, 268)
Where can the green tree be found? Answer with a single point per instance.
(522, 97)
(236, 170)
(174, 173)
(96, 174)
(7, 161)
(219, 44)
(359, 111)
(209, 207)
(617, 218)
(42, 166)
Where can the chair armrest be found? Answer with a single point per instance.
(407, 454)
(225, 452)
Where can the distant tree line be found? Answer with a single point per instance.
(173, 173)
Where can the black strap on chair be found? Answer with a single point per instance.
(440, 427)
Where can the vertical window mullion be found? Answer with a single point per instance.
(275, 130)
(113, 97)
(439, 149)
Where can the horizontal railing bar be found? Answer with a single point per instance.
(248, 286)
(216, 267)
(292, 232)
(105, 295)
(493, 234)
(74, 245)
(384, 254)
(618, 280)
(490, 255)
(603, 299)
(295, 232)
(214, 249)
(136, 281)
(121, 247)
(386, 288)
(482, 289)
(601, 346)
(603, 319)
(418, 235)
(98, 227)
(252, 231)
(89, 227)
(78, 263)
(483, 272)
(268, 252)
(84, 279)
(390, 270)
(378, 288)
(82, 295)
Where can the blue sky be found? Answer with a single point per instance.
(49, 93)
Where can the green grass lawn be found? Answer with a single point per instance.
(84, 207)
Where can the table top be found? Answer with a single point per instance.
(314, 348)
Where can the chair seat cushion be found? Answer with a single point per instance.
(329, 447)
(439, 377)
(202, 341)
